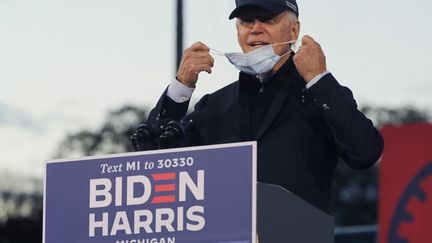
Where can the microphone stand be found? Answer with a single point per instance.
(143, 138)
(174, 132)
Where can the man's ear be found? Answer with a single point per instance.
(295, 30)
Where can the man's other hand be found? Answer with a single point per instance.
(195, 59)
(309, 59)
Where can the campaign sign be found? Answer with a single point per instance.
(405, 193)
(198, 194)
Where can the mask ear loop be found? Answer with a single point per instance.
(216, 52)
(284, 43)
(286, 53)
(219, 53)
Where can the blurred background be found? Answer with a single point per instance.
(77, 77)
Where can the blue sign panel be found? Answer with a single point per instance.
(187, 195)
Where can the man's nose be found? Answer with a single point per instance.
(257, 26)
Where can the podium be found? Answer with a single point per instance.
(205, 194)
(283, 217)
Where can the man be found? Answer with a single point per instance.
(302, 119)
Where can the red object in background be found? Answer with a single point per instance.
(405, 185)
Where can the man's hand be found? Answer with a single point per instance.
(195, 59)
(310, 59)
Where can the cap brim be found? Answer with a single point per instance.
(237, 10)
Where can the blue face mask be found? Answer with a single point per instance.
(257, 62)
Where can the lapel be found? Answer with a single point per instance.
(274, 110)
(243, 109)
(286, 75)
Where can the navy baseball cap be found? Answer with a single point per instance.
(274, 6)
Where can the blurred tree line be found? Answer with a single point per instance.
(354, 193)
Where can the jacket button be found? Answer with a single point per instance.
(325, 107)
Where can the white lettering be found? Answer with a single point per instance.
(119, 191)
(138, 224)
(196, 189)
(199, 219)
(134, 165)
(131, 181)
(180, 215)
(93, 224)
(164, 222)
(121, 222)
(104, 192)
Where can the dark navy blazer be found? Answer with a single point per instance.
(301, 132)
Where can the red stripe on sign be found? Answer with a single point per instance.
(163, 199)
(164, 176)
(165, 188)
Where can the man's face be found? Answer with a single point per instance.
(257, 27)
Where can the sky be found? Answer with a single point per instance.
(65, 63)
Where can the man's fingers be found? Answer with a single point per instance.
(307, 40)
(199, 46)
(202, 59)
(211, 60)
(195, 59)
(197, 68)
(196, 62)
(204, 56)
(208, 60)
(310, 59)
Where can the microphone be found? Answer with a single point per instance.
(144, 136)
(175, 131)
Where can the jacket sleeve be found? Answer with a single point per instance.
(166, 108)
(357, 141)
